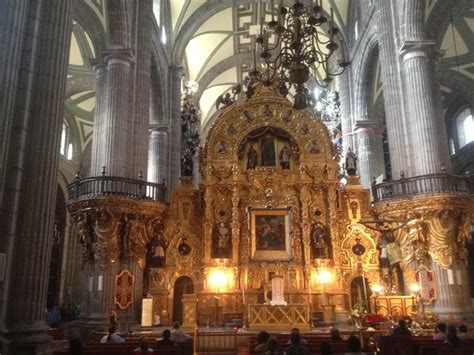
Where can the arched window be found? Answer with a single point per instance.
(464, 127)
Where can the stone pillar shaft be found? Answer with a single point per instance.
(99, 119)
(175, 127)
(346, 120)
(30, 181)
(98, 300)
(452, 292)
(369, 151)
(141, 92)
(392, 90)
(115, 129)
(427, 134)
(158, 155)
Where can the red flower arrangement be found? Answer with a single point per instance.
(375, 318)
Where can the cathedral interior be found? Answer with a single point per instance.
(156, 165)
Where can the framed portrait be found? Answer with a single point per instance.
(270, 233)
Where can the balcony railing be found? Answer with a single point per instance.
(424, 185)
(95, 186)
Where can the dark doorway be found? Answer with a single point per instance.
(182, 286)
(360, 292)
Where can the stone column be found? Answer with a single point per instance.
(369, 151)
(158, 154)
(175, 127)
(116, 126)
(346, 119)
(43, 31)
(392, 88)
(452, 292)
(97, 157)
(141, 91)
(98, 295)
(13, 21)
(426, 131)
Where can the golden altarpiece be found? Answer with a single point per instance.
(270, 203)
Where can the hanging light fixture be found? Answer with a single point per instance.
(299, 49)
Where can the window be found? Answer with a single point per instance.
(464, 127)
(66, 149)
(64, 139)
(356, 30)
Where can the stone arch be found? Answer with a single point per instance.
(85, 16)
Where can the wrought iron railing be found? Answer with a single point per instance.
(116, 186)
(424, 185)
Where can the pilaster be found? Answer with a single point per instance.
(175, 126)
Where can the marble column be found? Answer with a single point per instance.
(175, 127)
(452, 292)
(369, 136)
(392, 87)
(426, 131)
(43, 31)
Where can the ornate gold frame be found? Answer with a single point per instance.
(270, 255)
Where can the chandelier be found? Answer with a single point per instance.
(299, 49)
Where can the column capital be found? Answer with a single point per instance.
(158, 128)
(368, 126)
(417, 48)
(123, 57)
(98, 65)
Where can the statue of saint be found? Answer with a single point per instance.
(285, 158)
(251, 158)
(319, 242)
(222, 242)
(351, 162)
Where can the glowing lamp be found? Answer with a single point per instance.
(415, 288)
(324, 277)
(376, 288)
(217, 279)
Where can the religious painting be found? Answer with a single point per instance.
(270, 234)
(221, 241)
(124, 289)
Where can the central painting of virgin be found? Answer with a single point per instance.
(270, 234)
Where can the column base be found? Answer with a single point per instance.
(26, 339)
(466, 316)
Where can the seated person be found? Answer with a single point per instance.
(166, 341)
(335, 334)
(143, 347)
(112, 337)
(353, 343)
(272, 347)
(296, 347)
(440, 332)
(452, 338)
(302, 341)
(178, 335)
(463, 332)
(401, 329)
(262, 341)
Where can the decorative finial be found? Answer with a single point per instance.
(103, 171)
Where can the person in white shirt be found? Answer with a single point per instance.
(178, 335)
(112, 337)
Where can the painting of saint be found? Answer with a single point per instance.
(270, 233)
(268, 151)
(221, 242)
